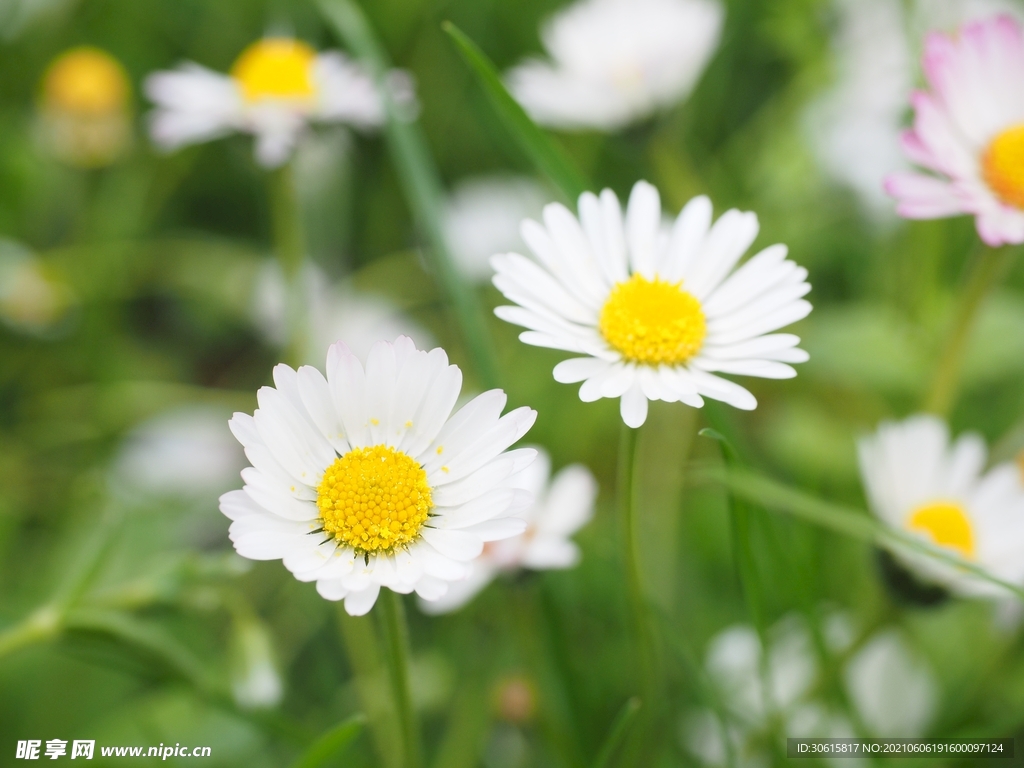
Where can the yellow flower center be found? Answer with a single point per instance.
(86, 81)
(1003, 166)
(374, 499)
(946, 524)
(275, 68)
(653, 321)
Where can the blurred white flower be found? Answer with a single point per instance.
(968, 133)
(614, 62)
(364, 479)
(186, 451)
(855, 127)
(32, 299)
(482, 218)
(916, 481)
(891, 687)
(336, 313)
(276, 87)
(559, 509)
(85, 117)
(655, 313)
(255, 680)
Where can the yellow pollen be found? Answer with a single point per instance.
(86, 81)
(374, 499)
(1003, 166)
(946, 524)
(275, 68)
(653, 322)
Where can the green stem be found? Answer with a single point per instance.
(290, 249)
(421, 184)
(634, 583)
(396, 640)
(44, 624)
(989, 268)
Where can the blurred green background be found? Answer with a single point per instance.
(157, 258)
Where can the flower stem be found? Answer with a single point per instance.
(37, 627)
(628, 536)
(290, 249)
(989, 268)
(396, 641)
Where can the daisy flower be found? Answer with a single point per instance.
(85, 117)
(916, 481)
(562, 505)
(276, 87)
(656, 314)
(969, 132)
(614, 62)
(360, 480)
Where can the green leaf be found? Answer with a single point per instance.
(619, 731)
(331, 744)
(420, 182)
(548, 157)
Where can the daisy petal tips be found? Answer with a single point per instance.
(655, 313)
(969, 132)
(363, 479)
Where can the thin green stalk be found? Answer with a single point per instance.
(634, 584)
(396, 641)
(290, 249)
(420, 182)
(42, 625)
(619, 731)
(989, 268)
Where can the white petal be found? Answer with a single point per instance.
(360, 603)
(457, 545)
(633, 407)
(643, 220)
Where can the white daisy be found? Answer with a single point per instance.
(482, 217)
(336, 312)
(276, 87)
(656, 314)
(562, 505)
(360, 480)
(916, 481)
(617, 61)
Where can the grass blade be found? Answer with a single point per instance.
(420, 182)
(331, 744)
(617, 735)
(548, 157)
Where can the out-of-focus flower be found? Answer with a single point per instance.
(855, 128)
(32, 299)
(482, 218)
(916, 481)
(255, 680)
(560, 508)
(85, 112)
(656, 315)
(336, 313)
(969, 132)
(515, 699)
(892, 688)
(617, 61)
(276, 87)
(360, 480)
(186, 451)
(758, 692)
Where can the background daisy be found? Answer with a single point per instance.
(919, 482)
(617, 61)
(656, 316)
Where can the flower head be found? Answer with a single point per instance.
(561, 506)
(617, 61)
(33, 299)
(360, 480)
(85, 115)
(656, 314)
(969, 132)
(916, 481)
(275, 88)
